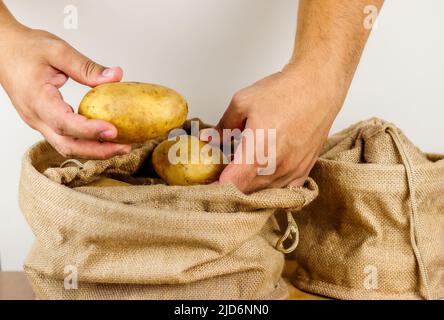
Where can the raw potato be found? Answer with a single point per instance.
(107, 182)
(203, 171)
(139, 111)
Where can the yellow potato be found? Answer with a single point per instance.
(184, 169)
(139, 111)
(107, 182)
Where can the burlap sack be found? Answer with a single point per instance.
(376, 231)
(151, 242)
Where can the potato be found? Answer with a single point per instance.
(107, 182)
(139, 111)
(206, 168)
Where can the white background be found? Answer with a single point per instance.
(208, 49)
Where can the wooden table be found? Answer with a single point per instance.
(15, 286)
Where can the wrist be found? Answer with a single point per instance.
(330, 78)
(6, 18)
(9, 28)
(10, 33)
(334, 72)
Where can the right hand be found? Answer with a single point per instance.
(34, 65)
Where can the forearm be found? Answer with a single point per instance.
(331, 36)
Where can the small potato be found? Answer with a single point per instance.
(188, 161)
(139, 111)
(107, 182)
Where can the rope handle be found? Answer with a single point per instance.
(292, 233)
(413, 215)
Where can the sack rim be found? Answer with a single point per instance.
(379, 166)
(298, 196)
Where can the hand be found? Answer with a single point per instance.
(34, 65)
(301, 103)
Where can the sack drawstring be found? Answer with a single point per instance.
(72, 161)
(291, 233)
(406, 161)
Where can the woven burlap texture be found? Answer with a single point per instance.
(150, 242)
(376, 231)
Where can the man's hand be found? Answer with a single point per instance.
(302, 101)
(34, 65)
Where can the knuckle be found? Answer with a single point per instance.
(88, 68)
(85, 131)
(105, 156)
(65, 151)
(28, 116)
(59, 127)
(102, 154)
(28, 119)
(32, 124)
(238, 99)
(58, 47)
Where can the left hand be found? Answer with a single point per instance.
(301, 103)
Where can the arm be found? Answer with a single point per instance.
(302, 101)
(34, 65)
(332, 33)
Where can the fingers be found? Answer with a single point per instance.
(299, 182)
(80, 68)
(241, 172)
(58, 80)
(72, 135)
(247, 178)
(247, 171)
(83, 149)
(240, 175)
(233, 118)
(59, 116)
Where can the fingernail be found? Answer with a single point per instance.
(108, 134)
(107, 73)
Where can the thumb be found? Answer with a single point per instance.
(240, 175)
(82, 69)
(241, 171)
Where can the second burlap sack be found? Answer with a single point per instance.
(150, 241)
(376, 231)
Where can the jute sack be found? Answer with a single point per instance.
(151, 241)
(376, 231)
